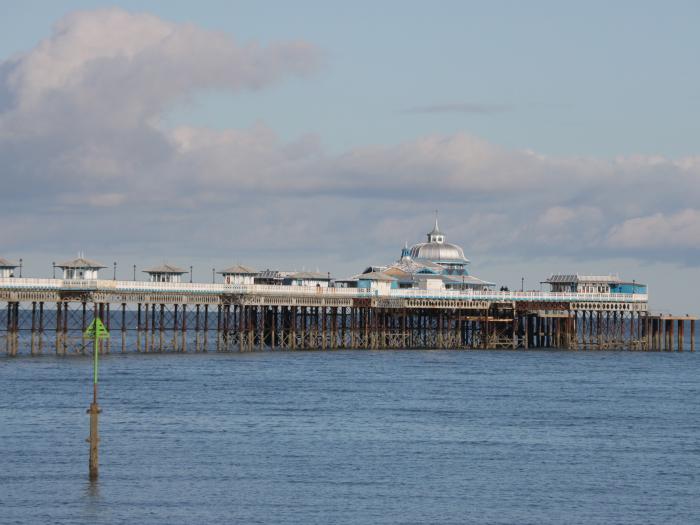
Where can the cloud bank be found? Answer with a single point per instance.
(84, 155)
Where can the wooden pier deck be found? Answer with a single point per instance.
(44, 314)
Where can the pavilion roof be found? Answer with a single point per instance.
(166, 268)
(577, 278)
(81, 262)
(310, 275)
(376, 276)
(238, 269)
(4, 263)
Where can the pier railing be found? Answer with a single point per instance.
(103, 285)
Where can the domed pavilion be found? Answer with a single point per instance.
(435, 264)
(437, 251)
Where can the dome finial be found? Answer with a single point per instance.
(436, 235)
(436, 228)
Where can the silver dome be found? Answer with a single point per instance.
(438, 252)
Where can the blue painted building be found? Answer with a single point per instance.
(593, 284)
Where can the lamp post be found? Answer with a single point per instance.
(20, 267)
(213, 275)
(190, 273)
(53, 263)
(114, 275)
(522, 284)
(134, 272)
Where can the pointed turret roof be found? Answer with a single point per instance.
(436, 228)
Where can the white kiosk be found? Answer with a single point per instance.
(239, 274)
(80, 268)
(7, 268)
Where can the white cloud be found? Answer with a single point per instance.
(144, 61)
(677, 230)
(81, 139)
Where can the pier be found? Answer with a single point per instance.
(51, 315)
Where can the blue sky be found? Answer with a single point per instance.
(551, 135)
(591, 78)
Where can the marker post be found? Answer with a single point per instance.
(95, 331)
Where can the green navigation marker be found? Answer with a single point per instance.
(95, 331)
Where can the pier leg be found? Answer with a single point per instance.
(8, 330)
(666, 329)
(183, 343)
(147, 311)
(33, 326)
(526, 336)
(670, 335)
(206, 327)
(196, 328)
(647, 333)
(175, 326)
(259, 327)
(83, 319)
(219, 327)
(139, 328)
(123, 327)
(161, 327)
(241, 328)
(59, 310)
(252, 325)
(352, 326)
(108, 324)
(274, 319)
(324, 335)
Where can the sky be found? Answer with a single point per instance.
(553, 137)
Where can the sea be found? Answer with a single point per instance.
(366, 437)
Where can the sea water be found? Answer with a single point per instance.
(354, 437)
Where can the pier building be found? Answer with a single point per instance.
(380, 281)
(271, 277)
(81, 268)
(292, 278)
(307, 279)
(239, 274)
(165, 273)
(593, 284)
(435, 264)
(7, 268)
